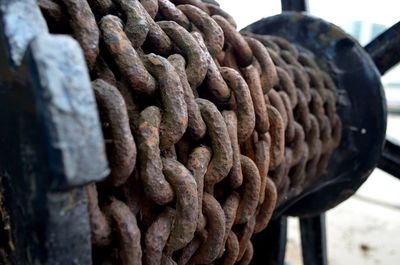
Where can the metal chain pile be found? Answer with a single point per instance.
(205, 128)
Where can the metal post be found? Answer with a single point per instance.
(313, 240)
(295, 5)
(270, 244)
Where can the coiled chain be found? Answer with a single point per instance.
(206, 129)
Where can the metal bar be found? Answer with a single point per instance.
(390, 159)
(295, 5)
(385, 49)
(270, 244)
(66, 106)
(313, 240)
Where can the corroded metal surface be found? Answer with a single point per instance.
(206, 129)
(225, 127)
(361, 106)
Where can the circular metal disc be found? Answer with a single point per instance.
(361, 106)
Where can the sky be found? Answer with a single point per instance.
(339, 12)
(384, 12)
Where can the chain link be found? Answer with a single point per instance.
(207, 129)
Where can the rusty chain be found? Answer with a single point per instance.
(206, 129)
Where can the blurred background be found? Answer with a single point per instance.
(366, 228)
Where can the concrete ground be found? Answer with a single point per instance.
(364, 230)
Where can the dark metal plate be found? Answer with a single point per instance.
(361, 106)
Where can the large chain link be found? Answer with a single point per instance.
(206, 129)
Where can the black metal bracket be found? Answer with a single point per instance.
(390, 159)
(51, 140)
(270, 244)
(313, 240)
(384, 49)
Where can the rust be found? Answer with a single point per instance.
(185, 188)
(248, 255)
(197, 3)
(286, 84)
(302, 114)
(231, 250)
(252, 78)
(101, 7)
(268, 74)
(247, 148)
(276, 101)
(213, 34)
(230, 208)
(131, 105)
(170, 152)
(85, 28)
(189, 250)
(329, 84)
(170, 12)
(214, 82)
(290, 130)
(312, 136)
(103, 71)
(167, 260)
(137, 26)
(196, 68)
(216, 10)
(277, 137)
(211, 247)
(229, 58)
(330, 106)
(52, 10)
(297, 172)
(174, 112)
(151, 7)
(245, 110)
(316, 82)
(235, 174)
(242, 50)
(298, 146)
(196, 126)
(197, 164)
(262, 157)
(132, 192)
(100, 228)
(221, 161)
(301, 80)
(250, 195)
(126, 57)
(284, 45)
(307, 61)
(278, 61)
(128, 232)
(150, 164)
(244, 236)
(264, 39)
(267, 207)
(291, 60)
(183, 149)
(156, 237)
(158, 40)
(121, 152)
(219, 117)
